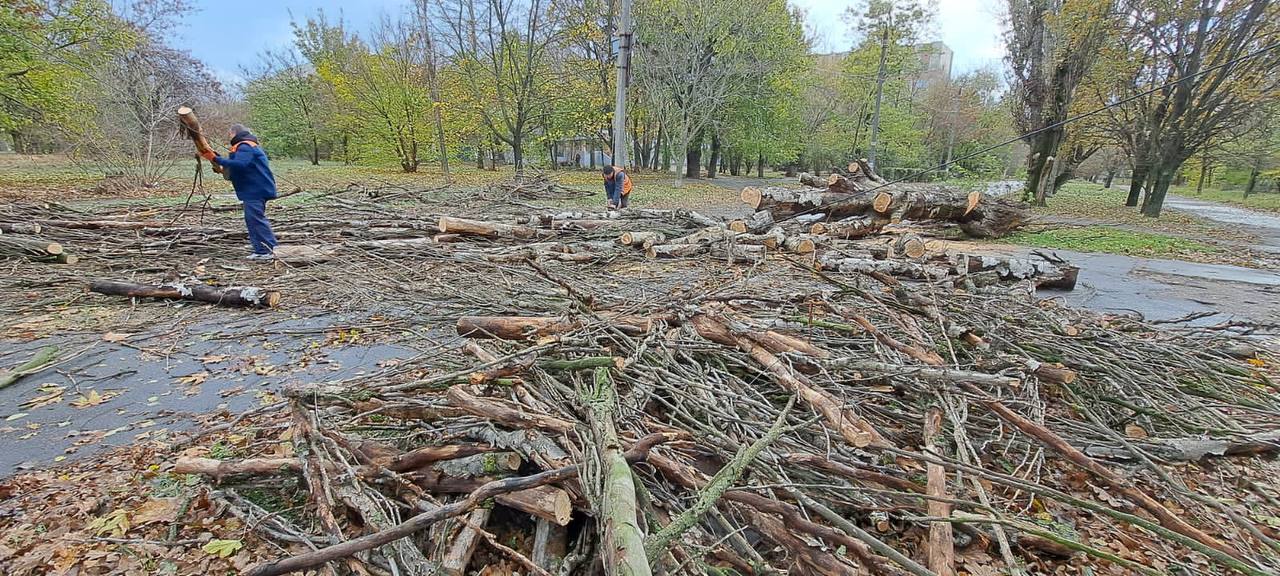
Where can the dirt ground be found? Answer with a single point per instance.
(90, 440)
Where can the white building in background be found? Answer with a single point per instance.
(935, 63)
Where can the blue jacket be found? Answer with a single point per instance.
(248, 170)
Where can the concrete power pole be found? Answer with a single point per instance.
(623, 35)
(875, 116)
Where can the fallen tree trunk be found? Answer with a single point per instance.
(850, 228)
(451, 225)
(27, 246)
(191, 129)
(624, 551)
(641, 239)
(19, 228)
(244, 296)
(1047, 275)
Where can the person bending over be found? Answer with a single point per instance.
(617, 186)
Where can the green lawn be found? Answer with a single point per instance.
(57, 177)
(1268, 201)
(1116, 241)
(1094, 204)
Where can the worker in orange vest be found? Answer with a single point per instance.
(247, 168)
(617, 186)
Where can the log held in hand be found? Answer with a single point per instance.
(191, 129)
(247, 296)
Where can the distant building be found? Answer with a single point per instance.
(935, 63)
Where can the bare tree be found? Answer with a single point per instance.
(502, 49)
(1206, 83)
(132, 132)
(1051, 45)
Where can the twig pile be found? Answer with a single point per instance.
(724, 413)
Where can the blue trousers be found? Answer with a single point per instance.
(261, 237)
(616, 198)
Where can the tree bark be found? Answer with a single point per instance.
(693, 157)
(247, 297)
(713, 164)
(1136, 182)
(449, 225)
(191, 129)
(941, 551)
(623, 549)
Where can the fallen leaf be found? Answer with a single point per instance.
(195, 379)
(212, 358)
(156, 510)
(13, 417)
(87, 400)
(222, 548)
(116, 523)
(115, 337)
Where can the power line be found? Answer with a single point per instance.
(1053, 126)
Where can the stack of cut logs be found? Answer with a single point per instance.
(21, 240)
(857, 202)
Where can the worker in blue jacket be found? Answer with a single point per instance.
(247, 169)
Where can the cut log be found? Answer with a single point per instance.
(641, 239)
(812, 181)
(505, 412)
(512, 327)
(840, 183)
(455, 561)
(450, 225)
(980, 217)
(548, 502)
(236, 296)
(191, 129)
(757, 223)
(27, 246)
(909, 245)
(1047, 275)
(62, 258)
(19, 228)
(675, 250)
(901, 268)
(799, 244)
(298, 255)
(739, 253)
(850, 228)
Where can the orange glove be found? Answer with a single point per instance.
(209, 155)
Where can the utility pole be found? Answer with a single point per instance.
(875, 116)
(623, 35)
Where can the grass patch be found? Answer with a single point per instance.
(1114, 241)
(1087, 201)
(1267, 202)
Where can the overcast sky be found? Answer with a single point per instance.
(228, 34)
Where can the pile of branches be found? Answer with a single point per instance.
(744, 403)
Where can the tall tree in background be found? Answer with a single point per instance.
(429, 51)
(1051, 46)
(693, 56)
(892, 26)
(48, 51)
(1205, 86)
(289, 105)
(503, 50)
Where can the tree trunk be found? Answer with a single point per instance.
(517, 155)
(450, 225)
(713, 165)
(1161, 179)
(479, 156)
(249, 297)
(760, 166)
(1111, 175)
(315, 150)
(1138, 178)
(693, 157)
(1253, 181)
(623, 542)
(191, 129)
